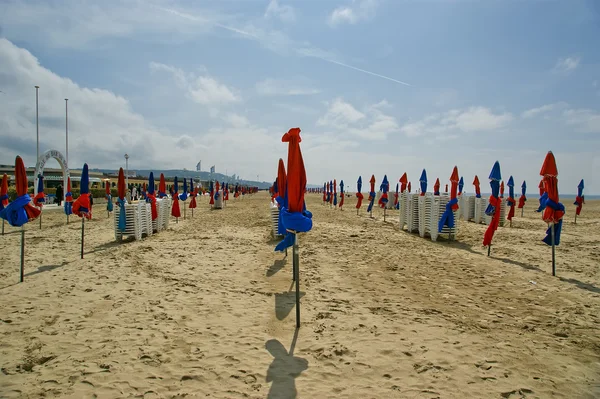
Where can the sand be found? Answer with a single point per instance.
(205, 310)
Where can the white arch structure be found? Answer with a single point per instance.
(41, 162)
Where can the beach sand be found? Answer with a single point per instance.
(206, 309)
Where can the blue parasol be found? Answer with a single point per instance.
(461, 184)
(183, 196)
(423, 182)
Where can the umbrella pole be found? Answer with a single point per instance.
(575, 219)
(296, 263)
(2, 226)
(41, 219)
(82, 234)
(553, 251)
(384, 208)
(522, 210)
(22, 253)
(184, 210)
(489, 249)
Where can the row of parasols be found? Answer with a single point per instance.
(24, 209)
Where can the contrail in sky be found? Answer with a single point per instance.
(259, 39)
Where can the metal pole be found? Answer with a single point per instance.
(22, 252)
(296, 263)
(66, 152)
(37, 123)
(489, 249)
(82, 234)
(127, 176)
(553, 252)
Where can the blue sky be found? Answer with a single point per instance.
(377, 87)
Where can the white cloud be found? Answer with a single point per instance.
(357, 11)
(585, 120)
(448, 125)
(237, 120)
(371, 123)
(202, 89)
(530, 113)
(285, 13)
(567, 65)
(280, 87)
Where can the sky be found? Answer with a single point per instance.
(376, 86)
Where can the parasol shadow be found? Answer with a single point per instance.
(284, 303)
(284, 369)
(276, 266)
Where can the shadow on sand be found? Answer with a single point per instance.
(47, 268)
(284, 303)
(284, 369)
(276, 266)
(581, 284)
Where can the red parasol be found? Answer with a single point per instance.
(403, 182)
(296, 177)
(454, 178)
(281, 180)
(446, 190)
(107, 188)
(477, 188)
(175, 210)
(436, 187)
(162, 187)
(541, 187)
(502, 189)
(21, 186)
(121, 190)
(409, 187)
(4, 192)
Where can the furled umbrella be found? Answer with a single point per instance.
(446, 189)
(175, 210)
(217, 191)
(502, 189)
(281, 190)
(82, 206)
(409, 187)
(397, 197)
(342, 194)
(403, 182)
(68, 200)
(193, 195)
(212, 194)
(334, 193)
(20, 211)
(296, 218)
(151, 196)
(108, 195)
(372, 195)
(423, 182)
(447, 218)
(3, 196)
(359, 196)
(383, 201)
(477, 187)
(436, 187)
(40, 197)
(162, 187)
(553, 209)
(523, 197)
(237, 191)
(493, 208)
(122, 200)
(184, 195)
(510, 201)
(579, 199)
(324, 193)
(461, 184)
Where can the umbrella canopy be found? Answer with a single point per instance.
(579, 199)
(436, 187)
(81, 206)
(477, 187)
(493, 208)
(175, 210)
(396, 197)
(212, 193)
(193, 194)
(183, 196)
(68, 198)
(461, 184)
(403, 181)
(334, 192)
(331, 191)
(341, 193)
(107, 194)
(281, 183)
(20, 211)
(409, 187)
(423, 182)
(359, 196)
(121, 200)
(4, 192)
(151, 196)
(40, 197)
(447, 218)
(384, 187)
(523, 198)
(446, 189)
(553, 209)
(324, 192)
(543, 196)
(371, 194)
(510, 201)
(162, 187)
(502, 189)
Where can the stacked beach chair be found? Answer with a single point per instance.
(412, 222)
(163, 207)
(502, 212)
(219, 201)
(422, 214)
(438, 207)
(466, 206)
(480, 207)
(274, 210)
(404, 209)
(133, 222)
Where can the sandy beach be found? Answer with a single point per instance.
(206, 309)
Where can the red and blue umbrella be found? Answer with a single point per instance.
(324, 192)
(523, 197)
(477, 188)
(579, 199)
(385, 188)
(447, 218)
(436, 187)
(151, 196)
(281, 195)
(341, 193)
(121, 200)
(212, 193)
(3, 196)
(397, 197)
(461, 184)
(81, 206)
(175, 210)
(162, 187)
(331, 191)
(108, 196)
(493, 208)
(543, 196)
(372, 194)
(40, 197)
(553, 209)
(334, 192)
(20, 211)
(184, 195)
(423, 182)
(359, 196)
(295, 216)
(510, 201)
(502, 189)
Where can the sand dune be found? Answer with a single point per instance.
(206, 309)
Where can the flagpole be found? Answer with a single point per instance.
(66, 152)
(37, 124)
